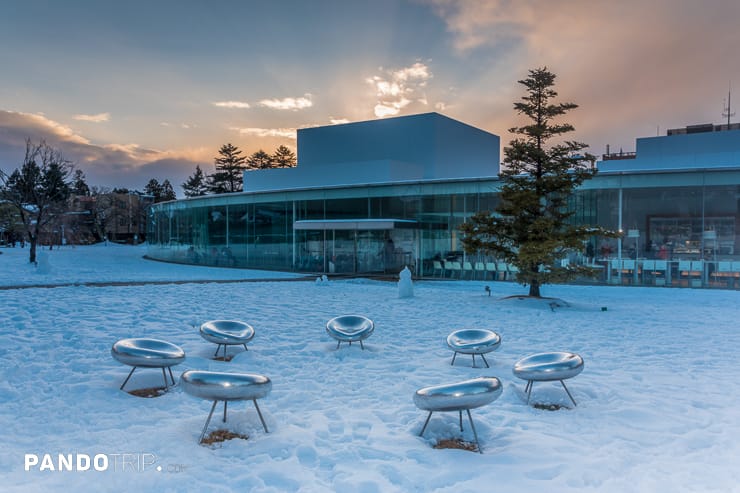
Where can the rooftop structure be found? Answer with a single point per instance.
(693, 147)
(421, 147)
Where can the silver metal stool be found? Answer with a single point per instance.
(473, 341)
(218, 386)
(148, 353)
(548, 367)
(461, 396)
(227, 333)
(350, 328)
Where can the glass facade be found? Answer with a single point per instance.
(668, 220)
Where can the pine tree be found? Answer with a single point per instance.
(229, 168)
(283, 158)
(532, 227)
(79, 185)
(154, 189)
(161, 192)
(167, 192)
(259, 160)
(195, 185)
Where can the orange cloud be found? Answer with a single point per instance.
(632, 66)
(99, 118)
(288, 103)
(232, 104)
(288, 133)
(397, 89)
(112, 165)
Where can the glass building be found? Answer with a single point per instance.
(373, 197)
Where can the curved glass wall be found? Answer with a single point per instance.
(666, 217)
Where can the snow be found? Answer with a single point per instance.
(657, 400)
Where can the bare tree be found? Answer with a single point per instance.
(102, 211)
(38, 190)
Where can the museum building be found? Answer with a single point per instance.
(372, 197)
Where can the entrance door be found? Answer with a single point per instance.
(351, 251)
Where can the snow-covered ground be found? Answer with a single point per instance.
(658, 400)
(112, 263)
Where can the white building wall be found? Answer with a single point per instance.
(683, 151)
(411, 148)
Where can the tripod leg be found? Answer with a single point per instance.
(475, 434)
(205, 427)
(425, 423)
(129, 376)
(260, 415)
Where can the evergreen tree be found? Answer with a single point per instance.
(154, 189)
(532, 226)
(229, 168)
(161, 192)
(283, 158)
(259, 160)
(196, 184)
(167, 192)
(79, 185)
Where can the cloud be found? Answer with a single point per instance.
(232, 104)
(417, 71)
(338, 121)
(397, 89)
(391, 108)
(99, 118)
(630, 65)
(185, 126)
(17, 127)
(111, 165)
(287, 133)
(288, 103)
(482, 22)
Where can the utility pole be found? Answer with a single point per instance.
(728, 110)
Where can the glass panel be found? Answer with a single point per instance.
(310, 209)
(216, 224)
(236, 252)
(310, 251)
(665, 219)
(370, 251)
(722, 211)
(406, 207)
(341, 251)
(434, 217)
(488, 202)
(607, 216)
(400, 250)
(347, 208)
(271, 245)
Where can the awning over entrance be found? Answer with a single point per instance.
(355, 224)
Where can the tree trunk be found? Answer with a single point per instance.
(534, 289)
(32, 249)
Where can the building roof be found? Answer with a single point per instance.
(719, 148)
(427, 146)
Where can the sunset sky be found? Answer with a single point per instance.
(132, 90)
